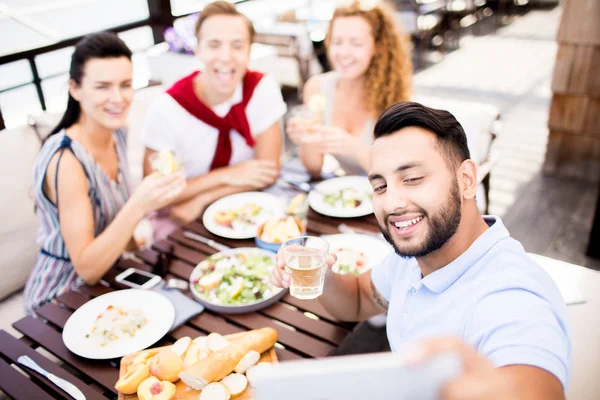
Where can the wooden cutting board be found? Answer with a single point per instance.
(184, 392)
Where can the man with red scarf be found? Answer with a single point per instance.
(224, 122)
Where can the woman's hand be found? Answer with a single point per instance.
(253, 173)
(336, 141)
(157, 191)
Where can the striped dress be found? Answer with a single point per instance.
(53, 273)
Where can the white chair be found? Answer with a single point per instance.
(481, 124)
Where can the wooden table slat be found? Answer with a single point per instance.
(368, 222)
(287, 355)
(186, 254)
(312, 306)
(317, 228)
(185, 330)
(296, 318)
(178, 237)
(96, 290)
(209, 322)
(12, 348)
(149, 256)
(73, 299)
(99, 371)
(54, 314)
(181, 269)
(290, 338)
(18, 387)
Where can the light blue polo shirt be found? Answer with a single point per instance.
(494, 297)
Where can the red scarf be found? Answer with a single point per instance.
(183, 93)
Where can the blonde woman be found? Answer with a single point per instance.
(372, 70)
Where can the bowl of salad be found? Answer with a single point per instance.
(236, 281)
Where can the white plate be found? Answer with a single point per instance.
(243, 308)
(374, 249)
(361, 183)
(272, 205)
(157, 308)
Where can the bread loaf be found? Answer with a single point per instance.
(221, 363)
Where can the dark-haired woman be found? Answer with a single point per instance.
(81, 182)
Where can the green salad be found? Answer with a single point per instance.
(346, 198)
(234, 279)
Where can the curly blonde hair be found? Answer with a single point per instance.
(388, 79)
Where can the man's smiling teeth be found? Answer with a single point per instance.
(406, 224)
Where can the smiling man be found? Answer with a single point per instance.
(454, 273)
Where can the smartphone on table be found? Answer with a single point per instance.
(138, 279)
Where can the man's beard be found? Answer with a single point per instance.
(442, 226)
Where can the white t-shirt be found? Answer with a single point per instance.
(168, 126)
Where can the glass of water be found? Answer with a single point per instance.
(306, 261)
(307, 118)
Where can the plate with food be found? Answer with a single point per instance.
(235, 281)
(118, 323)
(343, 197)
(238, 216)
(357, 253)
(212, 367)
(274, 232)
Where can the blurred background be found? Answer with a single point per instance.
(521, 76)
(473, 57)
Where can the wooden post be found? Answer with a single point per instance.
(594, 242)
(574, 143)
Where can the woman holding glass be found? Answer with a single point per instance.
(81, 182)
(224, 122)
(372, 70)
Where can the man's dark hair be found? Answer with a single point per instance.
(451, 137)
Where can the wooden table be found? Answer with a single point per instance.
(306, 329)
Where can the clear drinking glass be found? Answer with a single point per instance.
(305, 260)
(308, 118)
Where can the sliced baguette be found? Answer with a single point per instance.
(202, 343)
(235, 383)
(221, 363)
(216, 342)
(215, 391)
(250, 359)
(181, 346)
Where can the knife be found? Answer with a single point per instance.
(202, 239)
(60, 382)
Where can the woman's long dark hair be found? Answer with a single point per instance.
(95, 45)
